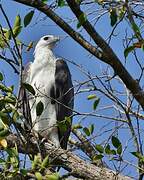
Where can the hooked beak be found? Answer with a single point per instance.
(56, 39)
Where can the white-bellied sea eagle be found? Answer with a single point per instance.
(51, 79)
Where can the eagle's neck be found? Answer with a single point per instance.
(44, 55)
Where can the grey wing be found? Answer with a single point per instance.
(63, 92)
(23, 98)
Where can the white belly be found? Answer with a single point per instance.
(42, 81)
(42, 77)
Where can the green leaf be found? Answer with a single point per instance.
(1, 76)
(135, 28)
(95, 104)
(99, 148)
(67, 120)
(38, 176)
(5, 119)
(45, 162)
(54, 176)
(45, 1)
(61, 3)
(109, 151)
(62, 126)
(97, 157)
(39, 108)
(15, 116)
(17, 21)
(137, 154)
(1, 125)
(2, 160)
(119, 150)
(4, 88)
(77, 126)
(29, 88)
(24, 172)
(36, 162)
(116, 142)
(4, 133)
(91, 128)
(17, 30)
(3, 115)
(28, 18)
(113, 17)
(8, 35)
(113, 152)
(82, 19)
(9, 100)
(79, 2)
(4, 30)
(2, 42)
(91, 96)
(86, 131)
(128, 50)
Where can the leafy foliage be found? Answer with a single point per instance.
(39, 108)
(113, 16)
(44, 1)
(29, 88)
(89, 130)
(91, 96)
(17, 26)
(28, 17)
(128, 50)
(95, 104)
(115, 141)
(1, 76)
(82, 18)
(99, 148)
(61, 3)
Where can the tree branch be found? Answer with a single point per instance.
(69, 161)
(109, 56)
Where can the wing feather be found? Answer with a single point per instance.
(23, 98)
(63, 92)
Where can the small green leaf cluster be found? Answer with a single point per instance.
(81, 20)
(107, 150)
(39, 166)
(89, 130)
(7, 106)
(6, 34)
(10, 163)
(139, 156)
(116, 13)
(117, 145)
(96, 100)
(61, 3)
(64, 125)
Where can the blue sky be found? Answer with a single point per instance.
(70, 50)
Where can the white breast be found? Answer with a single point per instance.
(42, 77)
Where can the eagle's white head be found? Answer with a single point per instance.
(47, 41)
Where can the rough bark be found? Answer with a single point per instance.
(71, 162)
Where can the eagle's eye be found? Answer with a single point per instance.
(46, 38)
